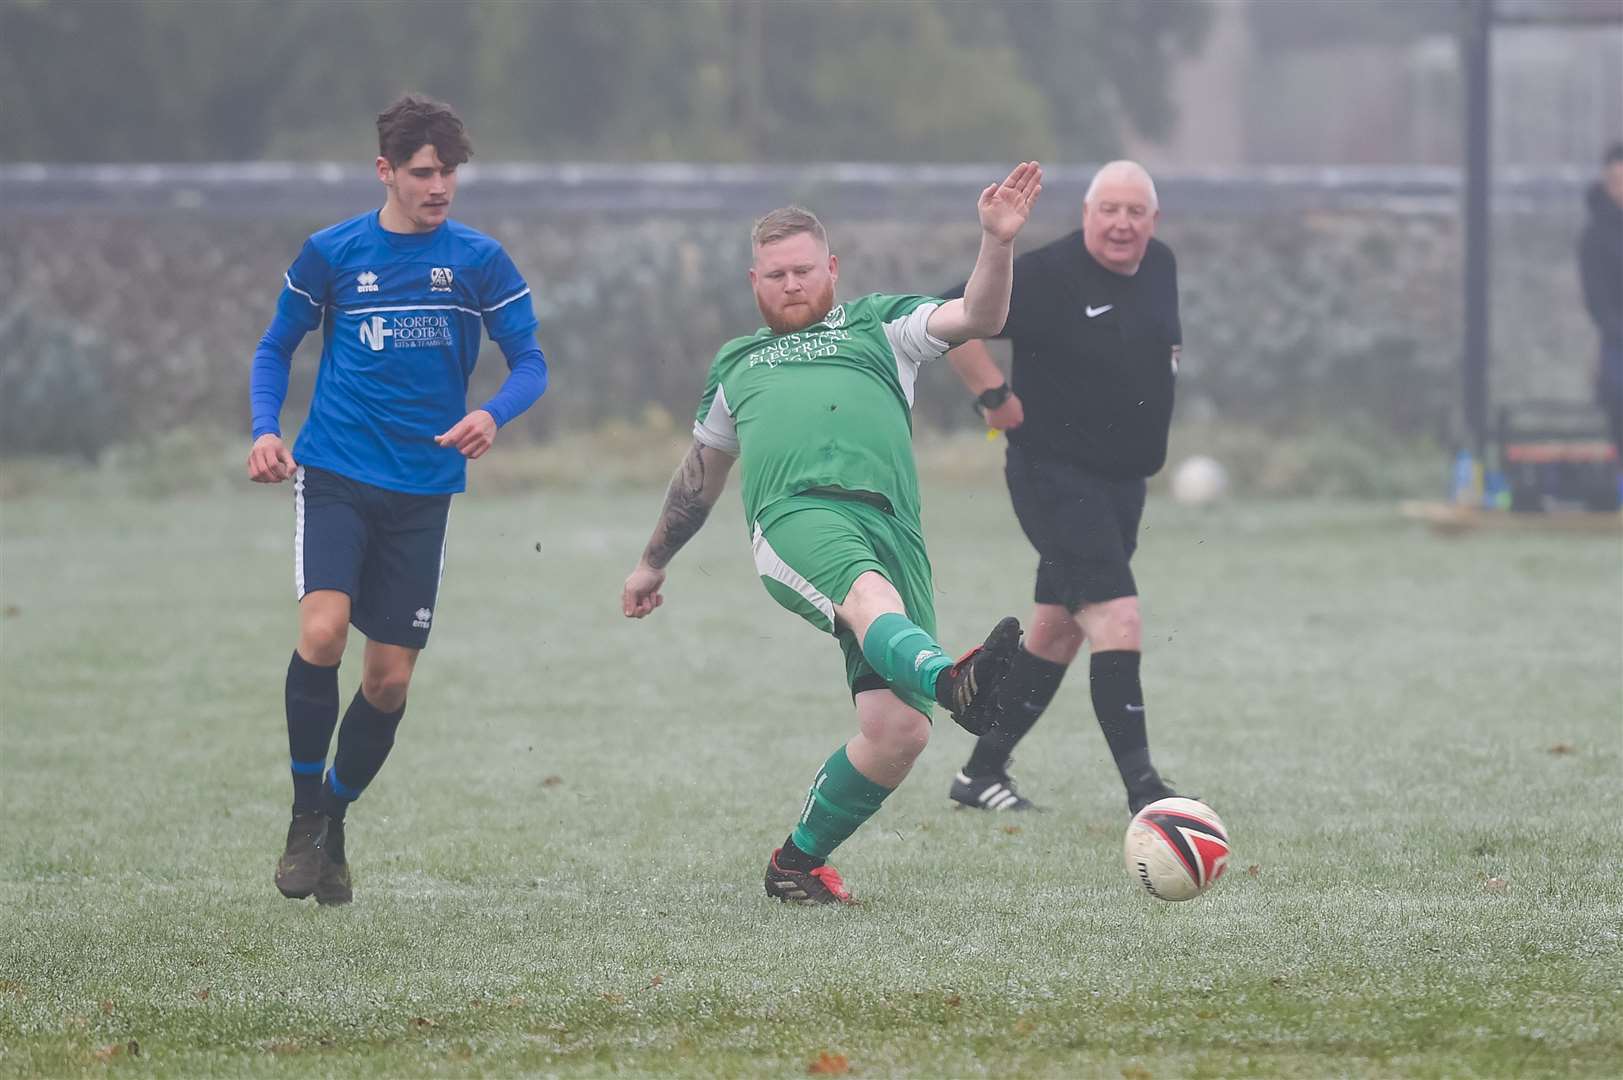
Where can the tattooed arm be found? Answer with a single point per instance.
(694, 489)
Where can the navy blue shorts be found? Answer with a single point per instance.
(1083, 525)
(385, 549)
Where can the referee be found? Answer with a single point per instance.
(1094, 322)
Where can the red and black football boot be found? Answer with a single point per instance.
(968, 689)
(819, 886)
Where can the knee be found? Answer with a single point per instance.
(1118, 625)
(902, 733)
(385, 685)
(1056, 640)
(322, 639)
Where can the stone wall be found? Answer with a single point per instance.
(121, 323)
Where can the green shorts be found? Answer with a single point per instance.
(811, 550)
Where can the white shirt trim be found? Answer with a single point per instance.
(287, 278)
(411, 307)
(509, 300)
(716, 429)
(913, 346)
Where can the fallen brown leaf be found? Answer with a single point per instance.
(1136, 1072)
(551, 781)
(283, 1046)
(1496, 885)
(201, 995)
(613, 998)
(655, 981)
(515, 1001)
(12, 611)
(955, 1000)
(1023, 1026)
(1011, 829)
(1563, 748)
(828, 1064)
(106, 1008)
(421, 1022)
(1254, 870)
(108, 1053)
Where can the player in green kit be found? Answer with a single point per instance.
(817, 405)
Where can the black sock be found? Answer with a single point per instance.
(1031, 684)
(364, 740)
(1118, 701)
(792, 858)
(312, 713)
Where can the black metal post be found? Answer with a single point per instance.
(1476, 32)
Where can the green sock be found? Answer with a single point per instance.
(841, 799)
(904, 655)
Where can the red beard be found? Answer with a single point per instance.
(799, 316)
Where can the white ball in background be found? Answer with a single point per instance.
(1199, 480)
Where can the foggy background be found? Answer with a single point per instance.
(164, 159)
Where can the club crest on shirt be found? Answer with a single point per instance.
(439, 279)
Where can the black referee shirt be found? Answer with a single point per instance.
(1094, 359)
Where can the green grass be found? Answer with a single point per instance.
(559, 870)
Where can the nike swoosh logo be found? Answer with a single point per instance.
(1094, 312)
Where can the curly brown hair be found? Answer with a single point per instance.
(413, 122)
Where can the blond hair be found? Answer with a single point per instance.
(785, 222)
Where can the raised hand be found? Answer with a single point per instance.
(1005, 207)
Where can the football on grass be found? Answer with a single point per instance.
(1176, 848)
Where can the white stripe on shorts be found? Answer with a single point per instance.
(298, 533)
(768, 564)
(440, 580)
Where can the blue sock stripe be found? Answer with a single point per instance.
(307, 768)
(339, 788)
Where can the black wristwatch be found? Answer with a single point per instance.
(991, 399)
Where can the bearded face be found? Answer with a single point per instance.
(794, 282)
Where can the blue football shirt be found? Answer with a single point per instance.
(401, 317)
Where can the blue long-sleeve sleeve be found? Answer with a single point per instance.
(299, 310)
(526, 378)
(268, 378)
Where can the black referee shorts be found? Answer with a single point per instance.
(1084, 527)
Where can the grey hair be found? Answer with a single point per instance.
(1123, 170)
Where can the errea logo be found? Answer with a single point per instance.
(439, 279)
(366, 281)
(424, 617)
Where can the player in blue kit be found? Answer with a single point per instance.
(401, 295)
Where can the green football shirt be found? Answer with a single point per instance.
(830, 406)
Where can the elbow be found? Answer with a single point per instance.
(986, 324)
